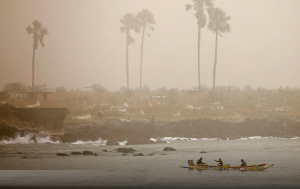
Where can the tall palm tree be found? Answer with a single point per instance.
(199, 7)
(146, 20)
(38, 36)
(129, 22)
(218, 23)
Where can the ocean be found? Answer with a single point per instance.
(27, 164)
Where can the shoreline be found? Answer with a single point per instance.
(141, 131)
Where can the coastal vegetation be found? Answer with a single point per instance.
(227, 103)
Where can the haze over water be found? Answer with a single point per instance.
(43, 168)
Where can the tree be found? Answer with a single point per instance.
(129, 22)
(38, 36)
(199, 7)
(217, 24)
(15, 87)
(146, 20)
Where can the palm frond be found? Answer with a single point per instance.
(43, 31)
(188, 7)
(29, 30)
(36, 25)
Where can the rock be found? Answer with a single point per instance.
(87, 153)
(76, 153)
(112, 142)
(125, 150)
(69, 137)
(124, 154)
(169, 149)
(18, 153)
(95, 154)
(203, 152)
(140, 154)
(62, 154)
(164, 154)
(104, 150)
(150, 154)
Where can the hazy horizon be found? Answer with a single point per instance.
(85, 45)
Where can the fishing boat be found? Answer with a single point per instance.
(227, 167)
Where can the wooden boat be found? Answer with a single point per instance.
(227, 167)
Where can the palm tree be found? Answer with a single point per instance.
(129, 22)
(38, 36)
(199, 6)
(146, 20)
(217, 24)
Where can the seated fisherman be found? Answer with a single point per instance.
(220, 162)
(243, 163)
(200, 161)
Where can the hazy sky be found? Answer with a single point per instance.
(85, 45)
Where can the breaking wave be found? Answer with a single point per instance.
(28, 139)
(97, 142)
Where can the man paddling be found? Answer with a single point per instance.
(220, 162)
(243, 163)
(200, 161)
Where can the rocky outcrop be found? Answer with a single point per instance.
(169, 149)
(14, 119)
(125, 150)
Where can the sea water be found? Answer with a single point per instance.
(36, 164)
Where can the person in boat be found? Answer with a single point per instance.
(200, 161)
(220, 162)
(243, 163)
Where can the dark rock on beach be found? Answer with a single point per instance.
(76, 153)
(62, 154)
(139, 154)
(125, 150)
(203, 152)
(169, 149)
(87, 153)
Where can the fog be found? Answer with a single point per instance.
(85, 45)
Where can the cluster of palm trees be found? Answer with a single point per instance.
(144, 21)
(218, 23)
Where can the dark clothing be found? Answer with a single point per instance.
(200, 161)
(220, 162)
(243, 163)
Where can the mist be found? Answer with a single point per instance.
(85, 45)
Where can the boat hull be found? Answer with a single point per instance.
(257, 167)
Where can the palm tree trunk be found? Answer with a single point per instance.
(199, 37)
(141, 69)
(215, 63)
(33, 59)
(127, 66)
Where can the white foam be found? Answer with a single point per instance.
(123, 143)
(295, 138)
(208, 139)
(154, 139)
(28, 139)
(97, 142)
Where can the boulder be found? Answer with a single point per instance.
(139, 154)
(104, 150)
(62, 154)
(87, 153)
(202, 152)
(69, 137)
(125, 150)
(76, 153)
(169, 149)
